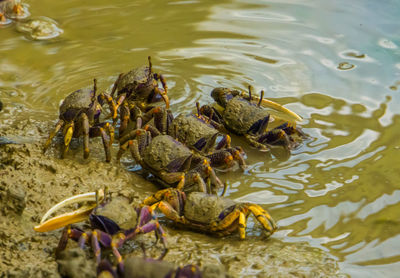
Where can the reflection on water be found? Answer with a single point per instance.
(334, 63)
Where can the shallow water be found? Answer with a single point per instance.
(336, 64)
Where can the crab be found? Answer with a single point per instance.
(136, 90)
(79, 116)
(170, 161)
(136, 267)
(244, 117)
(196, 132)
(104, 232)
(208, 213)
(11, 9)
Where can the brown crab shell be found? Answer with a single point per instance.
(138, 83)
(190, 129)
(240, 115)
(204, 208)
(162, 150)
(80, 100)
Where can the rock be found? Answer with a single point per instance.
(73, 263)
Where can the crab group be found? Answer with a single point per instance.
(182, 153)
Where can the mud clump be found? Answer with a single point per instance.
(12, 200)
(73, 263)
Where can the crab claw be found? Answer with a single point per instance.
(278, 107)
(18, 9)
(70, 217)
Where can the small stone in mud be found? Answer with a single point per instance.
(73, 263)
(139, 267)
(214, 271)
(14, 200)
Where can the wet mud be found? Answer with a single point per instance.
(31, 182)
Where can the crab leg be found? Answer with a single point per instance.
(224, 143)
(68, 133)
(170, 212)
(85, 125)
(106, 144)
(3, 18)
(72, 217)
(123, 148)
(114, 88)
(220, 158)
(112, 106)
(59, 124)
(99, 130)
(226, 222)
(242, 225)
(263, 217)
(17, 9)
(124, 114)
(211, 142)
(202, 185)
(163, 92)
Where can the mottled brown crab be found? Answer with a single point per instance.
(244, 117)
(79, 116)
(104, 232)
(208, 213)
(136, 90)
(170, 161)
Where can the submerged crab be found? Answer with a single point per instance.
(79, 116)
(243, 117)
(10, 9)
(197, 133)
(105, 232)
(208, 213)
(170, 161)
(136, 90)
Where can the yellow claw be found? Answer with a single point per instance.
(242, 225)
(68, 135)
(64, 220)
(17, 9)
(78, 215)
(277, 106)
(2, 17)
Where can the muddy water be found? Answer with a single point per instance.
(336, 64)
